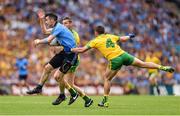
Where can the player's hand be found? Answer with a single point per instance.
(41, 14)
(131, 35)
(36, 42)
(73, 50)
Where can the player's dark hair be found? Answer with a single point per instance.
(52, 16)
(100, 29)
(67, 18)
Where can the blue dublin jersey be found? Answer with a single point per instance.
(64, 37)
(21, 64)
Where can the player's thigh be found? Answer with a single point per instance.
(22, 82)
(74, 67)
(71, 73)
(153, 77)
(109, 74)
(22, 79)
(127, 59)
(115, 63)
(69, 61)
(57, 60)
(137, 62)
(48, 67)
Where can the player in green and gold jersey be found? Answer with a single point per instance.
(107, 45)
(153, 73)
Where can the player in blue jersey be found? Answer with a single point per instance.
(22, 68)
(57, 48)
(62, 60)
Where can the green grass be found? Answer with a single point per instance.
(119, 105)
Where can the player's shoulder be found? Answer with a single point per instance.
(74, 31)
(59, 25)
(156, 58)
(25, 59)
(111, 36)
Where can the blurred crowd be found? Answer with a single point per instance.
(155, 23)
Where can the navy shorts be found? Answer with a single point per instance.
(22, 77)
(63, 61)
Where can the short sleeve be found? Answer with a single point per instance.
(56, 31)
(91, 44)
(115, 37)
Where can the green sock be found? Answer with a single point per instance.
(72, 92)
(105, 98)
(86, 98)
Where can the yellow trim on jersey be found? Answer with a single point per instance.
(107, 45)
(76, 36)
(77, 39)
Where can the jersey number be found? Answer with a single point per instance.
(109, 43)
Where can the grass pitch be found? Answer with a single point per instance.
(119, 105)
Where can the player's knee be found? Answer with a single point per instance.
(71, 84)
(105, 75)
(107, 78)
(47, 68)
(58, 78)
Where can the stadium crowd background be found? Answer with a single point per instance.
(156, 25)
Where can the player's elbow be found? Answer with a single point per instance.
(123, 40)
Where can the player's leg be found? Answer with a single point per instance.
(153, 82)
(70, 79)
(59, 78)
(109, 74)
(26, 83)
(23, 83)
(62, 97)
(46, 72)
(21, 86)
(137, 62)
(68, 60)
(113, 67)
(54, 63)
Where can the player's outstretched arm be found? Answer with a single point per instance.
(125, 38)
(44, 41)
(41, 16)
(80, 49)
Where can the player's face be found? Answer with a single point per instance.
(49, 22)
(95, 33)
(67, 23)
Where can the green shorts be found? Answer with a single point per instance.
(123, 59)
(74, 67)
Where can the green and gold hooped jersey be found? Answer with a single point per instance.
(76, 36)
(107, 45)
(77, 39)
